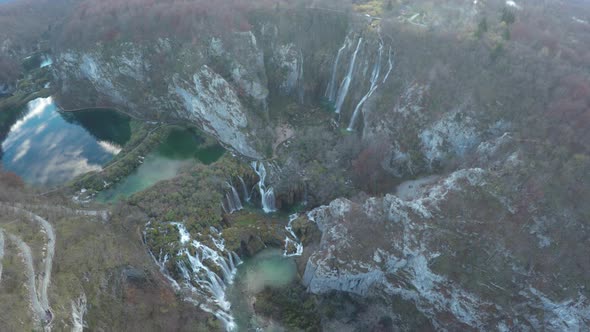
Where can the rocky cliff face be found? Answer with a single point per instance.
(458, 247)
(220, 83)
(167, 81)
(473, 243)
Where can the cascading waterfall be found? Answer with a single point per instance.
(232, 200)
(343, 91)
(374, 85)
(195, 262)
(267, 194)
(294, 240)
(331, 90)
(217, 240)
(245, 192)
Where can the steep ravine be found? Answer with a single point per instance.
(469, 248)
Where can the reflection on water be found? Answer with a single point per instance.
(105, 125)
(269, 268)
(180, 149)
(43, 148)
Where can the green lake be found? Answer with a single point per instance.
(182, 148)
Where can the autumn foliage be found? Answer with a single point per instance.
(10, 180)
(136, 20)
(559, 34)
(24, 22)
(570, 112)
(368, 172)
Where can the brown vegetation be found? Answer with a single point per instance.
(10, 180)
(23, 22)
(136, 20)
(368, 173)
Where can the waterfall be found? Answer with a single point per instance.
(232, 199)
(247, 195)
(343, 91)
(160, 261)
(301, 81)
(374, 79)
(390, 63)
(45, 61)
(218, 241)
(79, 310)
(267, 195)
(331, 91)
(293, 239)
(197, 264)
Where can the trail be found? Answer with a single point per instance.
(102, 214)
(39, 310)
(45, 278)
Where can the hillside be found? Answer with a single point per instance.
(422, 163)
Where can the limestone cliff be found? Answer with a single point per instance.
(172, 82)
(459, 247)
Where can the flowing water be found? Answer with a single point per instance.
(331, 90)
(345, 86)
(180, 149)
(47, 147)
(267, 195)
(374, 85)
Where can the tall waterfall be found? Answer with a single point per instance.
(343, 91)
(267, 194)
(198, 264)
(232, 200)
(293, 239)
(390, 64)
(374, 85)
(331, 90)
(245, 191)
